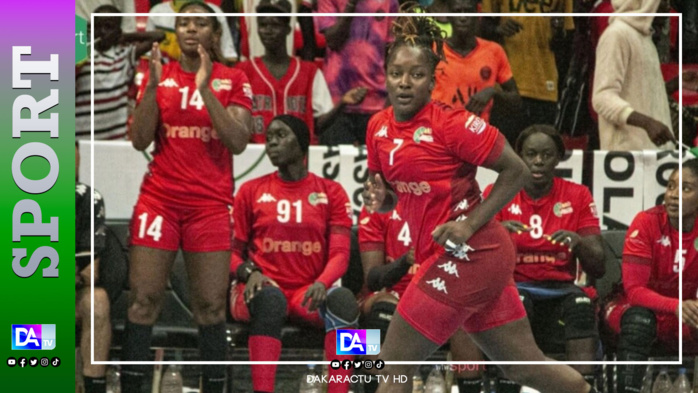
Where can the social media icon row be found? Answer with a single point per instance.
(33, 362)
(357, 364)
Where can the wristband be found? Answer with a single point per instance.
(244, 271)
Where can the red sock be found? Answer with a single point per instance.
(264, 348)
(331, 354)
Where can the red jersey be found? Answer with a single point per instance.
(430, 161)
(292, 94)
(568, 206)
(389, 233)
(286, 226)
(652, 258)
(191, 167)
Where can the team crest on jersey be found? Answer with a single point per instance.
(222, 84)
(562, 208)
(634, 234)
(594, 212)
(317, 198)
(475, 124)
(383, 132)
(422, 134)
(169, 82)
(247, 90)
(365, 220)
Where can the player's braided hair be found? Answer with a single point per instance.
(417, 31)
(691, 164)
(215, 50)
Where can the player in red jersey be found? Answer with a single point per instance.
(292, 232)
(429, 155)
(387, 256)
(288, 85)
(647, 311)
(553, 224)
(198, 112)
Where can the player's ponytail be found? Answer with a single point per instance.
(417, 31)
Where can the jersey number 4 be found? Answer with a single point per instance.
(195, 100)
(154, 229)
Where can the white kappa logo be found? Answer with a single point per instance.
(450, 268)
(266, 197)
(438, 284)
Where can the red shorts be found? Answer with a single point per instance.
(667, 327)
(158, 225)
(476, 294)
(294, 310)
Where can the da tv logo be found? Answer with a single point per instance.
(358, 341)
(33, 337)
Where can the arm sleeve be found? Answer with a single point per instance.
(371, 231)
(327, 6)
(322, 100)
(588, 221)
(612, 57)
(242, 218)
(504, 73)
(241, 90)
(636, 276)
(339, 235)
(471, 138)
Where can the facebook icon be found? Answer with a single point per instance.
(358, 341)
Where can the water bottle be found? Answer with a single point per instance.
(647, 381)
(663, 382)
(682, 385)
(435, 382)
(417, 384)
(311, 382)
(113, 380)
(172, 380)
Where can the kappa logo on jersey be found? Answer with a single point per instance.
(664, 241)
(169, 82)
(462, 205)
(475, 124)
(222, 84)
(438, 284)
(422, 134)
(383, 132)
(462, 217)
(514, 209)
(317, 198)
(460, 251)
(562, 208)
(395, 216)
(450, 268)
(266, 197)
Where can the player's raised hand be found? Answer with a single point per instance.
(203, 75)
(374, 193)
(314, 296)
(155, 65)
(517, 227)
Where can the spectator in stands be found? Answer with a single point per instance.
(387, 257)
(553, 224)
(86, 262)
(292, 232)
(288, 85)
(472, 68)
(355, 58)
(166, 23)
(532, 45)
(629, 92)
(429, 154)
(198, 113)
(647, 310)
(115, 60)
